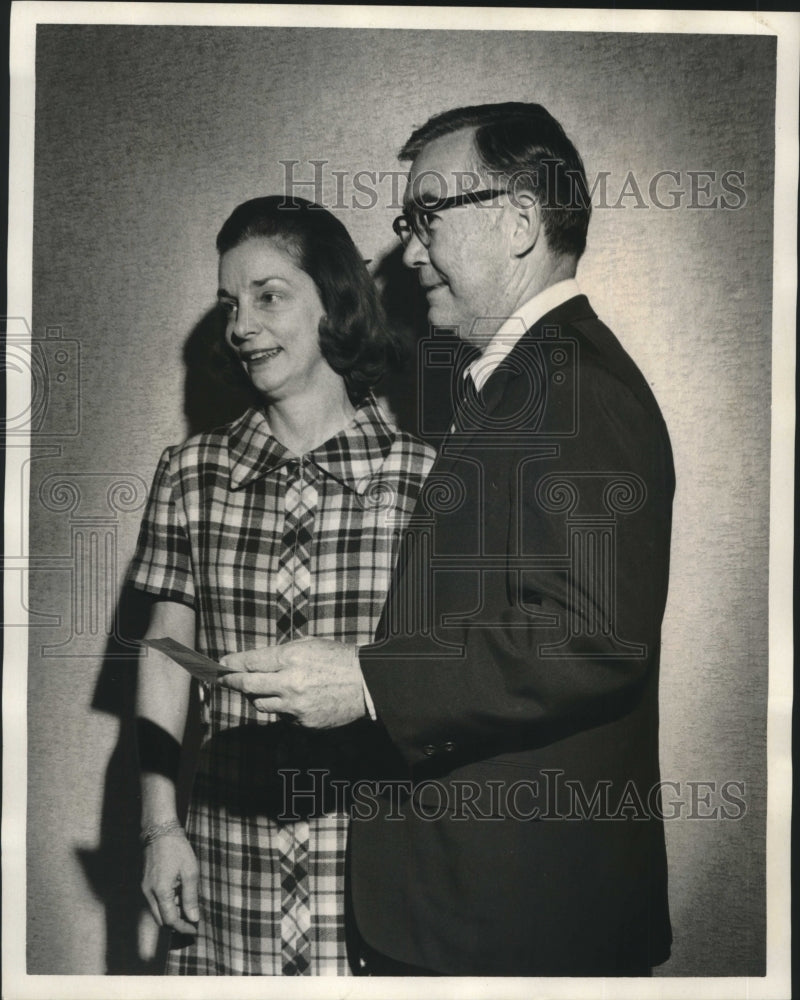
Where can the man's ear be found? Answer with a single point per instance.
(526, 222)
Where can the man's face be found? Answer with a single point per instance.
(465, 269)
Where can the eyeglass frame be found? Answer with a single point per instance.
(406, 225)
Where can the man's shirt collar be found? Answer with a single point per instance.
(512, 330)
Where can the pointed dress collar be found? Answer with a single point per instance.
(353, 456)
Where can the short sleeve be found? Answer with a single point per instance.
(162, 563)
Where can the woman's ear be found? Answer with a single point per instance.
(526, 219)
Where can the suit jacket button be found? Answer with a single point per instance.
(449, 747)
(429, 750)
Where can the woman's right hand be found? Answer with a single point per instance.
(170, 882)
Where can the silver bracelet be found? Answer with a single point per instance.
(156, 830)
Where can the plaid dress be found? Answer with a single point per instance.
(267, 547)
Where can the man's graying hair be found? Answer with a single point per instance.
(523, 146)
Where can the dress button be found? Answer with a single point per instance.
(429, 750)
(449, 747)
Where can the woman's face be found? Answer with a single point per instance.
(273, 311)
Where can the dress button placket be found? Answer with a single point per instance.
(293, 590)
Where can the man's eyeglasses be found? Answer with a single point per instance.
(416, 219)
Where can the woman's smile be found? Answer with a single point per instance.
(252, 359)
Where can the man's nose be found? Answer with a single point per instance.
(415, 253)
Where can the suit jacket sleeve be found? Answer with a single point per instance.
(569, 641)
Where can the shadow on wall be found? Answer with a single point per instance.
(216, 391)
(113, 870)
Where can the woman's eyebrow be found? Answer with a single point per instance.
(259, 282)
(255, 283)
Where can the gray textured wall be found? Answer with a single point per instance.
(145, 139)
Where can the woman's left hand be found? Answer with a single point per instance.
(316, 681)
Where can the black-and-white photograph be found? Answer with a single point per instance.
(399, 471)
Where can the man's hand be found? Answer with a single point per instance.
(317, 681)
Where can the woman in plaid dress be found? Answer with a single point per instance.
(280, 525)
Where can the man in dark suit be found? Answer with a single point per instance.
(514, 678)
